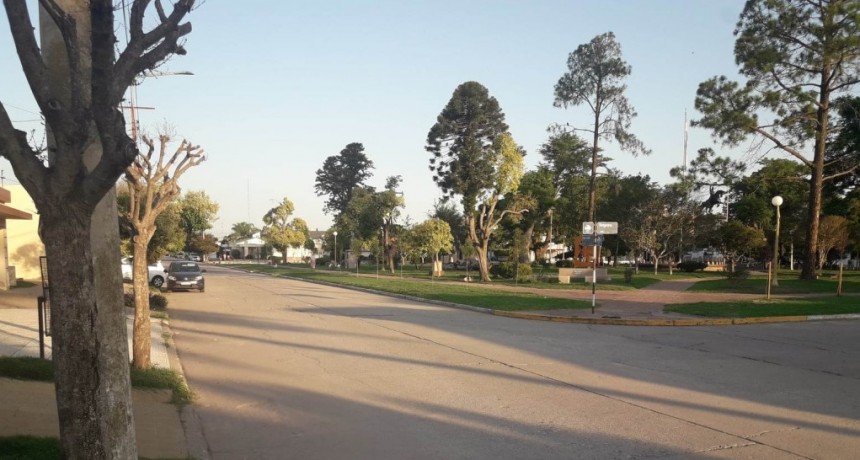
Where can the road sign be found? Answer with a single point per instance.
(602, 228)
(590, 239)
(607, 228)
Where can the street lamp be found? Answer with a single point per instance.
(335, 248)
(776, 202)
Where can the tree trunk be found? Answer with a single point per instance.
(656, 264)
(527, 240)
(816, 182)
(483, 261)
(141, 341)
(90, 362)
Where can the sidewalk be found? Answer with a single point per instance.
(28, 407)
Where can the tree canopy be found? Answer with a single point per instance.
(795, 56)
(461, 143)
(595, 77)
(341, 174)
(282, 232)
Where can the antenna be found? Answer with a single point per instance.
(686, 132)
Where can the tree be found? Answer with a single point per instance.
(242, 231)
(795, 55)
(203, 244)
(595, 77)
(568, 158)
(340, 175)
(152, 186)
(448, 212)
(78, 81)
(197, 212)
(281, 232)
(833, 235)
(475, 158)
(843, 153)
(389, 202)
(736, 239)
(538, 187)
(432, 237)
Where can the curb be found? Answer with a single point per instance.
(580, 320)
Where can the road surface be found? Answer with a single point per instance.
(286, 369)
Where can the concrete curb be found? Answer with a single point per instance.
(579, 320)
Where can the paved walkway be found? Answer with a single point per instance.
(28, 407)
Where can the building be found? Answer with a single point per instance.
(20, 245)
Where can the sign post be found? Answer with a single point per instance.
(592, 233)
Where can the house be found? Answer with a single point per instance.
(20, 245)
(252, 248)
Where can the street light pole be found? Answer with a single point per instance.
(335, 249)
(776, 202)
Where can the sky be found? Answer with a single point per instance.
(280, 86)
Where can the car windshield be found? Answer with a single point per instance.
(184, 267)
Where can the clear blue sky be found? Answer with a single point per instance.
(280, 86)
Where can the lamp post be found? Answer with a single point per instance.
(335, 248)
(776, 202)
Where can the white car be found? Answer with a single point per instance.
(156, 271)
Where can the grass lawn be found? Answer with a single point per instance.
(29, 447)
(831, 305)
(546, 276)
(462, 293)
(25, 368)
(787, 285)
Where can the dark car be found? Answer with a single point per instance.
(184, 275)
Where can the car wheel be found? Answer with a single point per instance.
(201, 289)
(157, 281)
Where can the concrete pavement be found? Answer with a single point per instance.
(28, 407)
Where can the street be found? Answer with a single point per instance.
(286, 369)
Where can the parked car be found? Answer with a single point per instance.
(184, 275)
(192, 257)
(156, 271)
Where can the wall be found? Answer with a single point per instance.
(23, 241)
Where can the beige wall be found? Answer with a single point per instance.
(22, 236)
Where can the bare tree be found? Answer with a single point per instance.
(152, 186)
(78, 85)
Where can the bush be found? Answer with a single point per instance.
(739, 274)
(503, 270)
(691, 266)
(628, 275)
(524, 272)
(157, 302)
(564, 264)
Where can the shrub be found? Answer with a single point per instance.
(628, 275)
(564, 264)
(739, 274)
(524, 272)
(157, 302)
(691, 266)
(503, 270)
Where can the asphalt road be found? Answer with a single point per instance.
(286, 369)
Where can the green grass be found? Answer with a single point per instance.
(461, 293)
(758, 285)
(23, 284)
(774, 307)
(23, 368)
(168, 379)
(29, 448)
(34, 448)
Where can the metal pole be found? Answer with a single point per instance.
(40, 306)
(775, 262)
(594, 269)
